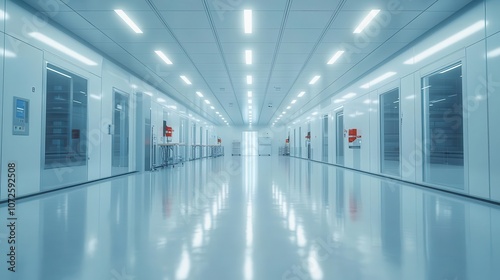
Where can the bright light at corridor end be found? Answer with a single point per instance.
(128, 21)
(248, 21)
(366, 21)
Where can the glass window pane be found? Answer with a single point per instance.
(443, 127)
(65, 119)
(389, 133)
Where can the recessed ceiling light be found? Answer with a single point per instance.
(301, 94)
(378, 80)
(249, 106)
(314, 80)
(284, 113)
(163, 57)
(217, 113)
(315, 113)
(289, 107)
(199, 94)
(207, 101)
(249, 80)
(248, 57)
(128, 21)
(248, 21)
(249, 101)
(249, 94)
(186, 80)
(212, 107)
(364, 23)
(349, 95)
(294, 101)
(160, 100)
(336, 56)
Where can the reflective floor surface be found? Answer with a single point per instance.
(253, 218)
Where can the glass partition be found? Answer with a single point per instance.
(340, 137)
(390, 133)
(443, 127)
(325, 138)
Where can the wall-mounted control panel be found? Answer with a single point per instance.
(20, 121)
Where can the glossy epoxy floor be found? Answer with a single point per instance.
(253, 218)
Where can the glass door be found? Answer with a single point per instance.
(340, 137)
(325, 138)
(120, 137)
(390, 133)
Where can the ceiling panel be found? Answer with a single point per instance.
(316, 5)
(297, 35)
(179, 5)
(186, 19)
(308, 19)
(99, 5)
(428, 20)
(408, 5)
(194, 35)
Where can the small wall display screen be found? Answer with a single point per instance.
(21, 109)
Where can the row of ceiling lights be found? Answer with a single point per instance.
(248, 26)
(163, 57)
(364, 23)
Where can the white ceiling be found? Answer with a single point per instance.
(292, 41)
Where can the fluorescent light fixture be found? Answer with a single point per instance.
(199, 94)
(248, 57)
(379, 79)
(289, 107)
(249, 106)
(163, 57)
(62, 48)
(336, 101)
(315, 113)
(212, 107)
(293, 101)
(349, 95)
(161, 100)
(314, 80)
(249, 94)
(186, 80)
(494, 53)
(217, 113)
(364, 23)
(7, 53)
(249, 80)
(3, 15)
(207, 101)
(284, 113)
(128, 21)
(449, 69)
(301, 94)
(447, 42)
(249, 101)
(336, 56)
(248, 21)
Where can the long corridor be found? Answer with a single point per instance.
(253, 218)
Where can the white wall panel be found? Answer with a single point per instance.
(493, 86)
(476, 116)
(23, 79)
(356, 115)
(492, 8)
